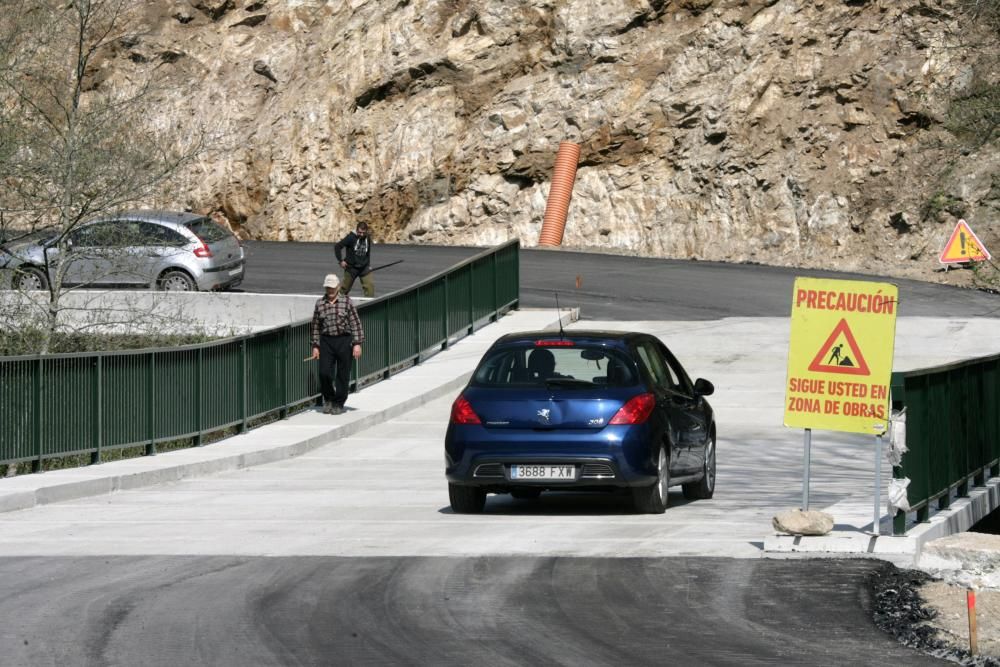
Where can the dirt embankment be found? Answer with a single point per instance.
(930, 615)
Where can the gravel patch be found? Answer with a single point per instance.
(922, 613)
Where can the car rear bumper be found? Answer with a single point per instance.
(613, 456)
(224, 277)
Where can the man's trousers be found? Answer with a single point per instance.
(335, 360)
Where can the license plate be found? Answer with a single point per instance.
(543, 472)
(236, 272)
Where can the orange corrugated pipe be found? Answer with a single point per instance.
(560, 192)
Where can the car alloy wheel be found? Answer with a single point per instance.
(704, 488)
(662, 476)
(653, 499)
(710, 466)
(176, 281)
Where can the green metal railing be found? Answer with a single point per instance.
(76, 404)
(952, 432)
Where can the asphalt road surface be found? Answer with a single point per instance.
(531, 610)
(612, 287)
(227, 611)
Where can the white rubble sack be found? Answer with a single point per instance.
(897, 495)
(897, 437)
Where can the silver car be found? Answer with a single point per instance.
(155, 249)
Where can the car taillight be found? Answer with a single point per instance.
(462, 412)
(636, 411)
(202, 251)
(554, 343)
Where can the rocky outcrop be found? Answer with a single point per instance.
(774, 131)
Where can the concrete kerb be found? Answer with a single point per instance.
(258, 446)
(855, 539)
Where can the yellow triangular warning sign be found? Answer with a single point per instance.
(963, 246)
(837, 359)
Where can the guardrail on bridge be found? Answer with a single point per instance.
(76, 404)
(952, 432)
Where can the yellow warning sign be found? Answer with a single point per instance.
(840, 355)
(963, 246)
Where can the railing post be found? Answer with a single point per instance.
(244, 388)
(924, 513)
(472, 311)
(899, 523)
(388, 346)
(496, 287)
(199, 381)
(517, 275)
(416, 337)
(36, 427)
(444, 318)
(151, 404)
(284, 371)
(96, 391)
(944, 502)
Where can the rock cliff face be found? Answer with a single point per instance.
(807, 133)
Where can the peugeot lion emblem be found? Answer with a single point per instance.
(543, 416)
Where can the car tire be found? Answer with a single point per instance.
(703, 489)
(175, 280)
(466, 499)
(31, 278)
(653, 499)
(526, 494)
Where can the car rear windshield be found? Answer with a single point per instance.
(570, 366)
(208, 231)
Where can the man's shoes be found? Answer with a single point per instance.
(327, 408)
(337, 410)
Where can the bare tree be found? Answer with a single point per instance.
(73, 147)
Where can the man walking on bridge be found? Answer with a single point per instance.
(357, 262)
(337, 336)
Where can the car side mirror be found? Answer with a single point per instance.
(703, 387)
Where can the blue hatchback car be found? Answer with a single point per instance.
(583, 410)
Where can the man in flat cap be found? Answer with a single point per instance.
(337, 336)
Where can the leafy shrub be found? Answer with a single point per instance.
(976, 116)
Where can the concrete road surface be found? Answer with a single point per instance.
(382, 492)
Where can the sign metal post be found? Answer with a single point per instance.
(878, 483)
(805, 475)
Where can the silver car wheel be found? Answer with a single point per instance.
(175, 281)
(31, 279)
(710, 465)
(661, 476)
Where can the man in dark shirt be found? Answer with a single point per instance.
(357, 262)
(336, 335)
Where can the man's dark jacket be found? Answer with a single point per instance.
(358, 252)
